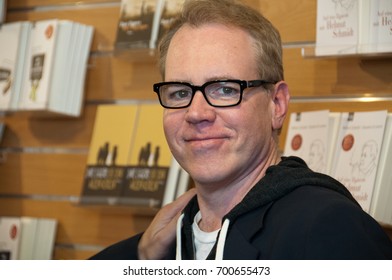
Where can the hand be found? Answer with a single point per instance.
(161, 233)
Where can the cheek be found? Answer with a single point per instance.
(258, 120)
(171, 125)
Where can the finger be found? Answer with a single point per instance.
(174, 208)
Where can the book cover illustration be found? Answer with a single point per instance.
(14, 38)
(10, 231)
(6, 73)
(135, 23)
(307, 138)
(150, 157)
(337, 27)
(357, 153)
(110, 146)
(40, 57)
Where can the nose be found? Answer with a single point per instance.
(199, 110)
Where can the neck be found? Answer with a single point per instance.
(215, 201)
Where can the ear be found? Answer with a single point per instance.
(280, 103)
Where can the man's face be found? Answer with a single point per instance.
(367, 158)
(217, 145)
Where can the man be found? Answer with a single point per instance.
(226, 100)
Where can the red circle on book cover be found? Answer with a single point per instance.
(49, 31)
(348, 142)
(13, 231)
(296, 142)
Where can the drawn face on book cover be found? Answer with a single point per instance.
(217, 145)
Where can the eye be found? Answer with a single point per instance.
(222, 90)
(175, 92)
(180, 94)
(226, 90)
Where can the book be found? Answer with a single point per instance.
(153, 175)
(14, 38)
(135, 24)
(68, 84)
(109, 150)
(307, 138)
(357, 153)
(146, 174)
(37, 238)
(143, 22)
(376, 28)
(167, 12)
(333, 128)
(337, 27)
(3, 10)
(27, 238)
(381, 206)
(55, 70)
(10, 232)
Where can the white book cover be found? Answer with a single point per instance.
(9, 38)
(357, 153)
(45, 241)
(381, 206)
(337, 27)
(333, 127)
(40, 57)
(14, 39)
(62, 66)
(307, 138)
(81, 55)
(70, 67)
(37, 238)
(10, 232)
(27, 241)
(3, 9)
(380, 30)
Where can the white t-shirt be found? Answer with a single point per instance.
(204, 241)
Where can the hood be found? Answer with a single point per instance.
(279, 180)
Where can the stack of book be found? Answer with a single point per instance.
(27, 238)
(43, 66)
(129, 161)
(143, 22)
(353, 147)
(353, 27)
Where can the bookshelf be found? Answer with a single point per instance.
(309, 52)
(44, 158)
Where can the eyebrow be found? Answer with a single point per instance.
(214, 78)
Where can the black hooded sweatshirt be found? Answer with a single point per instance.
(291, 213)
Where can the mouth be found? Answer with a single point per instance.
(204, 138)
(210, 142)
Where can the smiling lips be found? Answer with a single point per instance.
(205, 141)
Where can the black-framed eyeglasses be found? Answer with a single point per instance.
(222, 93)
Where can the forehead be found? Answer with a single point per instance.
(211, 51)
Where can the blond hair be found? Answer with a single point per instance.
(232, 13)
